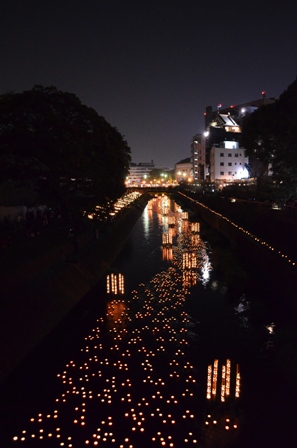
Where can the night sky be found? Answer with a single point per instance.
(151, 67)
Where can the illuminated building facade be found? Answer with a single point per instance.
(184, 171)
(228, 162)
(139, 171)
(224, 125)
(223, 132)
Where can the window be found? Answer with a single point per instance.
(229, 155)
(221, 163)
(236, 155)
(229, 172)
(235, 163)
(239, 163)
(229, 163)
(221, 173)
(221, 154)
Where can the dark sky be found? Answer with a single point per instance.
(151, 67)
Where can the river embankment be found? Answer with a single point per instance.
(36, 295)
(268, 257)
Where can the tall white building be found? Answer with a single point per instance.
(228, 162)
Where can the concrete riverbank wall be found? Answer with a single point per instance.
(36, 296)
(277, 268)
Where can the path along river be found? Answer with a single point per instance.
(164, 352)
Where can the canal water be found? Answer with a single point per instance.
(178, 345)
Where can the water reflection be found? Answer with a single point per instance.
(167, 253)
(146, 216)
(242, 311)
(134, 382)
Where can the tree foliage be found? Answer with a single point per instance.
(155, 174)
(74, 157)
(270, 134)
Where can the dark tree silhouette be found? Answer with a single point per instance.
(72, 156)
(270, 134)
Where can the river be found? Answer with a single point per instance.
(176, 346)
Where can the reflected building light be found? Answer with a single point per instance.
(185, 215)
(270, 328)
(205, 272)
(165, 220)
(146, 217)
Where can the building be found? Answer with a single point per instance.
(228, 163)
(198, 157)
(221, 128)
(139, 172)
(183, 171)
(238, 111)
(224, 124)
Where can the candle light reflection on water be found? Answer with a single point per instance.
(133, 383)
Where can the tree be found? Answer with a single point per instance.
(73, 157)
(155, 174)
(270, 134)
